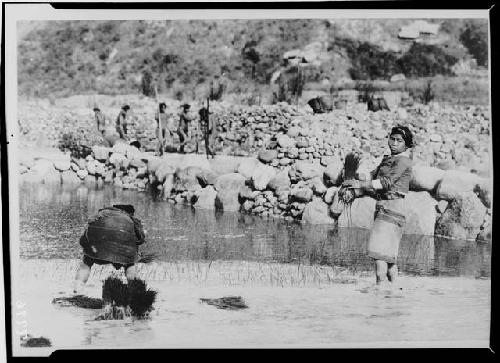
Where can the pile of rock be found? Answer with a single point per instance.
(298, 166)
(244, 130)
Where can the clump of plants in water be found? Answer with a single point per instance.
(31, 342)
(123, 300)
(80, 301)
(226, 302)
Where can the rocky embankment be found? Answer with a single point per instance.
(297, 172)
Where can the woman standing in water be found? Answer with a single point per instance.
(389, 185)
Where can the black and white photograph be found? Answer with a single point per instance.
(246, 178)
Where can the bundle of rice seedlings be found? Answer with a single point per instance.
(114, 292)
(347, 195)
(141, 299)
(80, 301)
(30, 342)
(227, 302)
(123, 300)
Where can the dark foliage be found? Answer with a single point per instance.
(31, 342)
(424, 60)
(71, 142)
(475, 38)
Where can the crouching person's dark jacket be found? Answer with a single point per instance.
(113, 235)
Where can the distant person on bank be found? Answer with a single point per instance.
(106, 128)
(112, 237)
(165, 126)
(185, 119)
(122, 121)
(389, 185)
(207, 127)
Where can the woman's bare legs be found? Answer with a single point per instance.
(130, 273)
(82, 275)
(380, 271)
(392, 272)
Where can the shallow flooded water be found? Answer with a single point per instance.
(430, 311)
(53, 218)
(305, 286)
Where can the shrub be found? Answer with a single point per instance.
(424, 60)
(147, 85)
(475, 38)
(71, 142)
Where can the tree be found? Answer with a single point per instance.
(475, 38)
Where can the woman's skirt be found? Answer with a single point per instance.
(387, 230)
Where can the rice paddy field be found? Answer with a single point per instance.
(305, 286)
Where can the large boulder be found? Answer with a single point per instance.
(302, 193)
(330, 195)
(187, 178)
(168, 185)
(285, 141)
(317, 186)
(63, 162)
(206, 198)
(464, 215)
(223, 164)
(303, 170)
(425, 178)
(163, 170)
(153, 164)
(101, 153)
(359, 215)
(228, 187)
(262, 175)
(207, 177)
(454, 183)
(118, 160)
(420, 213)
(52, 177)
(281, 181)
(247, 167)
(69, 177)
(333, 173)
(41, 167)
(266, 156)
(316, 212)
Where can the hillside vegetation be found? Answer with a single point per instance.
(180, 58)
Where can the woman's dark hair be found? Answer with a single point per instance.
(96, 109)
(405, 134)
(163, 105)
(126, 108)
(126, 208)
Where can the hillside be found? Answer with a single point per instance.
(61, 58)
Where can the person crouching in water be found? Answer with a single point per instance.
(111, 237)
(389, 185)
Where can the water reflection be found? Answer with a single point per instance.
(53, 218)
